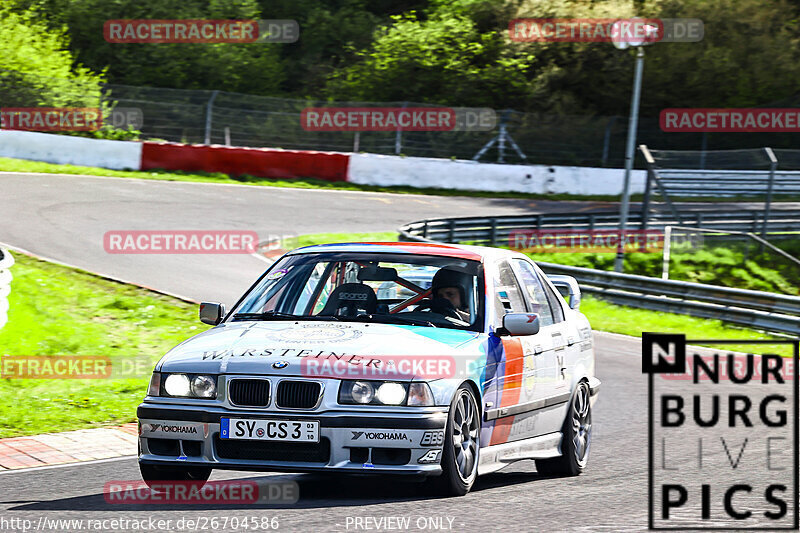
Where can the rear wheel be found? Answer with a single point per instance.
(576, 440)
(152, 474)
(461, 446)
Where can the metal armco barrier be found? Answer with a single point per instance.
(756, 309)
(6, 261)
(497, 230)
(760, 310)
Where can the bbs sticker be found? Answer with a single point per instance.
(432, 438)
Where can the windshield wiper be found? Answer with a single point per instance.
(276, 315)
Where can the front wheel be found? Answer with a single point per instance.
(461, 446)
(576, 439)
(153, 474)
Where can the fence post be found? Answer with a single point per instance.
(209, 108)
(356, 141)
(703, 149)
(493, 234)
(773, 164)
(501, 139)
(607, 140)
(649, 162)
(398, 137)
(667, 248)
(452, 235)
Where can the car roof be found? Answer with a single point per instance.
(461, 251)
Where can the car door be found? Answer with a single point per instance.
(573, 336)
(551, 364)
(519, 393)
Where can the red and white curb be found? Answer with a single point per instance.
(68, 447)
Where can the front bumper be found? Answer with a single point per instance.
(350, 441)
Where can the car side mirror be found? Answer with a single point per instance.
(569, 289)
(515, 324)
(211, 313)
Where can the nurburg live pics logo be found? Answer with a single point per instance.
(722, 434)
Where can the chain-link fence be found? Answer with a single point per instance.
(217, 117)
(759, 174)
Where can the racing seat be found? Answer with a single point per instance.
(350, 298)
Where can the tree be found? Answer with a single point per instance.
(36, 69)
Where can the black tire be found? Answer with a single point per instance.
(152, 474)
(453, 482)
(577, 427)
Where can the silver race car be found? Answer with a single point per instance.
(443, 361)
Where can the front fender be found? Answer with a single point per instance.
(444, 390)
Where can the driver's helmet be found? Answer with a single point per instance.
(446, 277)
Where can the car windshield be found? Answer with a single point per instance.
(406, 289)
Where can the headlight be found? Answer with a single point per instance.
(385, 393)
(391, 394)
(177, 385)
(188, 386)
(362, 392)
(204, 387)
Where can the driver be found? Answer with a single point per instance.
(451, 286)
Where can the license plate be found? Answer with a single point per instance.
(279, 430)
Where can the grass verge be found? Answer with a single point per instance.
(56, 310)
(22, 165)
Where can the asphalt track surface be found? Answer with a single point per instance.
(65, 217)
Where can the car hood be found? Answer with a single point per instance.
(301, 348)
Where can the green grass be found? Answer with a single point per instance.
(56, 310)
(59, 310)
(22, 165)
(732, 264)
(327, 238)
(605, 316)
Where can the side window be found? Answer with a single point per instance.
(537, 297)
(555, 303)
(508, 291)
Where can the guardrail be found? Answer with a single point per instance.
(760, 310)
(497, 230)
(6, 261)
